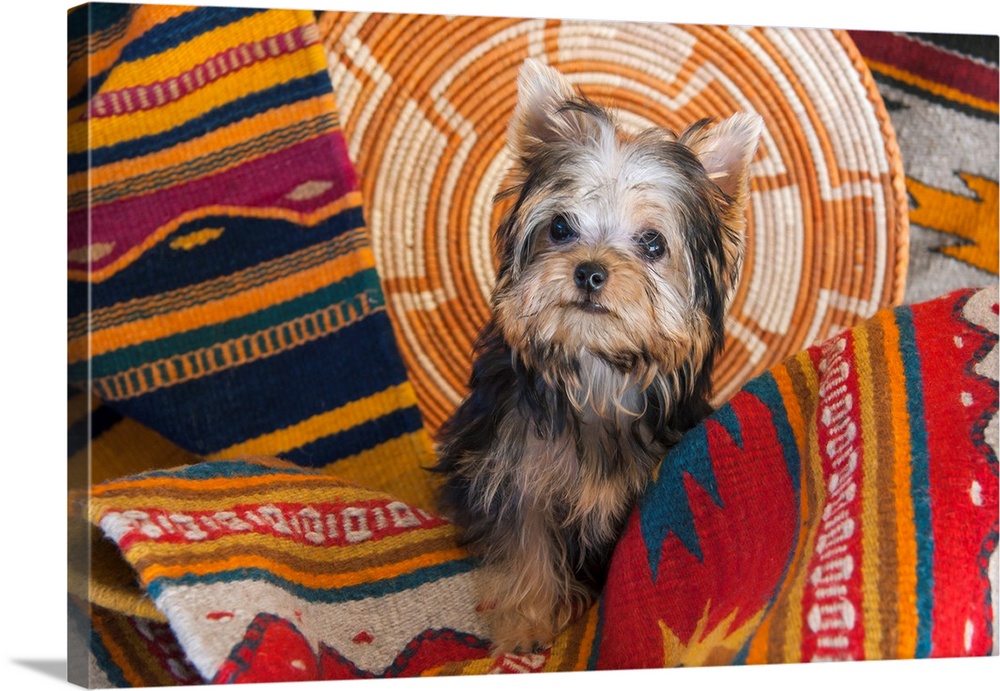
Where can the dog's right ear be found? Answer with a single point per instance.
(541, 116)
(726, 151)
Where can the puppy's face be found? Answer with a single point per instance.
(621, 247)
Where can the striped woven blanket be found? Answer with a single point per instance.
(221, 279)
(842, 506)
(216, 240)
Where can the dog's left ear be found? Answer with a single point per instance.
(725, 151)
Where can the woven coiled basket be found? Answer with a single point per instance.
(425, 102)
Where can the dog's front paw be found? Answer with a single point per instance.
(516, 633)
(523, 627)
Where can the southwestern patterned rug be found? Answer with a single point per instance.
(238, 252)
(842, 506)
(941, 94)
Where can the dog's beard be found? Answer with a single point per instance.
(637, 326)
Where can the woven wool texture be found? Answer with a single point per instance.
(843, 506)
(936, 83)
(425, 102)
(219, 254)
(221, 275)
(885, 439)
(221, 280)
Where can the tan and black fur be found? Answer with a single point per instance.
(618, 256)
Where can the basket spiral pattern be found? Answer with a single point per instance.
(425, 102)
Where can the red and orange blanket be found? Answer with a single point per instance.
(842, 506)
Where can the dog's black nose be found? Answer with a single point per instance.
(590, 276)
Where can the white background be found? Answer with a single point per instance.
(33, 328)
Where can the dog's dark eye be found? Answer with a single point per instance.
(652, 245)
(561, 231)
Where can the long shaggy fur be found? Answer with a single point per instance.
(618, 257)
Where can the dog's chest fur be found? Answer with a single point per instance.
(572, 456)
(585, 465)
(588, 475)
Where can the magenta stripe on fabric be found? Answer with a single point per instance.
(277, 181)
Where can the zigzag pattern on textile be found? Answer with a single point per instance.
(221, 274)
(839, 507)
(159, 93)
(934, 83)
(299, 541)
(861, 460)
(307, 533)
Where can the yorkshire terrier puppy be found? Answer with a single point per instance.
(617, 258)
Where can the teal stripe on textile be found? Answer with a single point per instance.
(665, 507)
(182, 28)
(362, 591)
(919, 480)
(343, 292)
(211, 470)
(86, 20)
(765, 389)
(595, 647)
